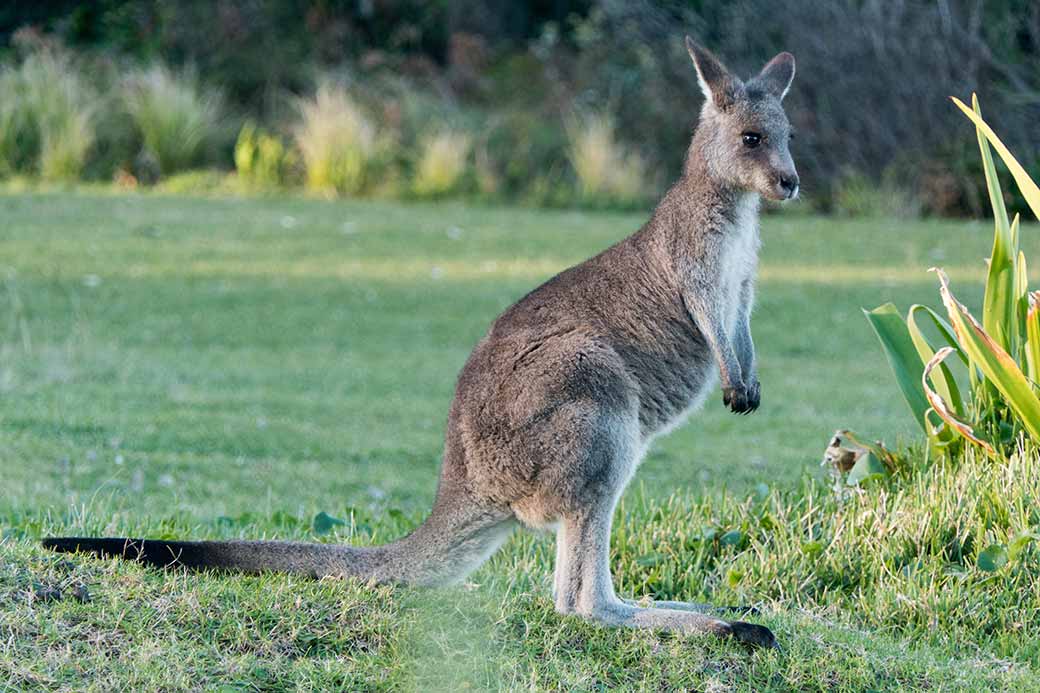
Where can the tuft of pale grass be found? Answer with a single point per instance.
(15, 123)
(175, 115)
(442, 162)
(46, 117)
(64, 147)
(488, 179)
(605, 168)
(856, 195)
(336, 140)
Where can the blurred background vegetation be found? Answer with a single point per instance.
(546, 102)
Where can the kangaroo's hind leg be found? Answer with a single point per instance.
(584, 586)
(583, 582)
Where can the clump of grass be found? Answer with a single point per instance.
(197, 182)
(64, 147)
(261, 159)
(46, 117)
(175, 116)
(858, 196)
(487, 177)
(606, 170)
(442, 163)
(15, 122)
(337, 141)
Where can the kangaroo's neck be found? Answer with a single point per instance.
(700, 207)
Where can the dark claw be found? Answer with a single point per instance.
(754, 395)
(742, 399)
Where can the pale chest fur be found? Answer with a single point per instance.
(738, 259)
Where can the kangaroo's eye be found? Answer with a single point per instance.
(751, 139)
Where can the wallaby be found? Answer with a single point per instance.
(558, 403)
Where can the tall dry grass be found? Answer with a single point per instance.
(175, 115)
(442, 162)
(47, 112)
(337, 141)
(605, 169)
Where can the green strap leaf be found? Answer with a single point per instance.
(1021, 299)
(996, 196)
(1028, 188)
(943, 381)
(902, 356)
(999, 300)
(942, 410)
(1033, 338)
(994, 362)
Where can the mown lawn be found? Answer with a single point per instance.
(219, 368)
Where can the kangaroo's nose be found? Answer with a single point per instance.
(789, 184)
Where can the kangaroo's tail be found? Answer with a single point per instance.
(444, 549)
(241, 556)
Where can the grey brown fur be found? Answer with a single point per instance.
(557, 405)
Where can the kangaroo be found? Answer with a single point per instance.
(559, 402)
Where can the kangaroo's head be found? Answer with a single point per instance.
(743, 134)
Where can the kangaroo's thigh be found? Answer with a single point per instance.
(588, 454)
(545, 434)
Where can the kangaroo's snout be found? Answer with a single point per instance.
(788, 183)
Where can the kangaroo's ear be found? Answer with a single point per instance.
(777, 75)
(718, 85)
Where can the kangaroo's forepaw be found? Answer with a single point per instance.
(753, 634)
(754, 395)
(743, 398)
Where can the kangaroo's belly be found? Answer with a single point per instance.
(693, 399)
(674, 373)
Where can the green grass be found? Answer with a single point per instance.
(217, 368)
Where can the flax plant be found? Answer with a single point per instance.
(1000, 353)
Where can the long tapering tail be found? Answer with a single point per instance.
(443, 549)
(315, 560)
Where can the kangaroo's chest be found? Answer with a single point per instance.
(737, 260)
(686, 371)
